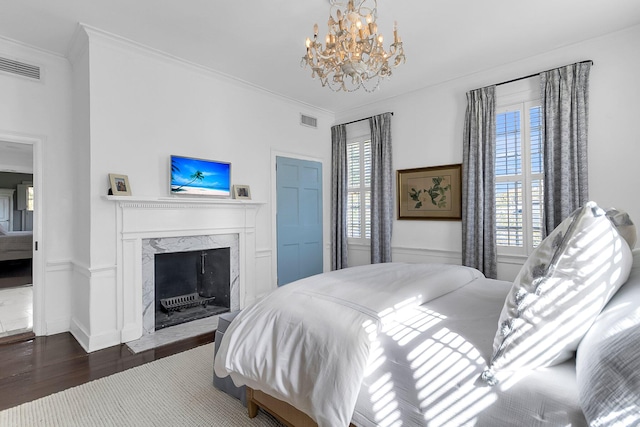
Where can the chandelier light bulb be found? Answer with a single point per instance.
(353, 55)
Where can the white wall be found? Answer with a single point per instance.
(41, 112)
(145, 106)
(427, 131)
(132, 108)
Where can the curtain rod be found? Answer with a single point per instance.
(359, 120)
(537, 74)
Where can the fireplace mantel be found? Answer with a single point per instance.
(139, 218)
(179, 201)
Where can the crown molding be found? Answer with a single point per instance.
(78, 45)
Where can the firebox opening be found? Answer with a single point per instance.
(191, 285)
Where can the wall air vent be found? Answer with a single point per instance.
(19, 68)
(312, 122)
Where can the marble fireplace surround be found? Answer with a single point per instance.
(178, 223)
(163, 245)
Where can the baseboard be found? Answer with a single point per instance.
(104, 340)
(57, 326)
(92, 343)
(79, 334)
(130, 333)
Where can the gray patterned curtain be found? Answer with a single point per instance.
(339, 197)
(382, 200)
(565, 111)
(478, 186)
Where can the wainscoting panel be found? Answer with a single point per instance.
(264, 279)
(57, 297)
(417, 255)
(361, 255)
(508, 265)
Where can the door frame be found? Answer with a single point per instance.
(274, 209)
(37, 142)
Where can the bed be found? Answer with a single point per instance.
(412, 344)
(15, 245)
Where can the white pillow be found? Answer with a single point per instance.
(558, 293)
(608, 360)
(624, 225)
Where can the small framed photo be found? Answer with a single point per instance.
(430, 193)
(119, 185)
(241, 192)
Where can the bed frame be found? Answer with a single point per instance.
(282, 411)
(16, 245)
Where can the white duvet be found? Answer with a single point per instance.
(307, 343)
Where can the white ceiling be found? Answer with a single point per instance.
(15, 157)
(262, 42)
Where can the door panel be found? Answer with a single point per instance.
(299, 219)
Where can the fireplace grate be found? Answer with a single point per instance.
(184, 301)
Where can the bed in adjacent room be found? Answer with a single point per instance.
(15, 245)
(441, 345)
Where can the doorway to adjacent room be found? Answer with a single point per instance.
(17, 206)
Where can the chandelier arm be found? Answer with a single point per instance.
(354, 56)
(323, 56)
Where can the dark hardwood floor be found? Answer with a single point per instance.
(41, 366)
(15, 273)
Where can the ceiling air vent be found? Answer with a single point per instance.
(19, 68)
(312, 122)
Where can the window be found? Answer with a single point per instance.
(25, 196)
(359, 188)
(30, 198)
(519, 178)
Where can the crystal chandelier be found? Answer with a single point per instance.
(353, 55)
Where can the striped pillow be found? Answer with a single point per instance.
(560, 290)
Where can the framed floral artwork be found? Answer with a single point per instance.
(430, 193)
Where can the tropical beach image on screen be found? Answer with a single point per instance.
(199, 177)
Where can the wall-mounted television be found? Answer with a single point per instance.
(200, 177)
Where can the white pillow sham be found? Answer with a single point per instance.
(608, 361)
(624, 225)
(558, 293)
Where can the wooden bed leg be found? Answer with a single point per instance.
(252, 407)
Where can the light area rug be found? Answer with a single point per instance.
(174, 391)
